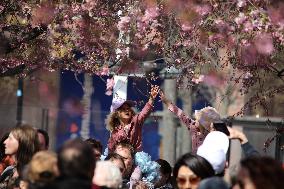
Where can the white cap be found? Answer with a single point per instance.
(118, 102)
(214, 149)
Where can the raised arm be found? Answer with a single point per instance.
(166, 101)
(153, 94)
(178, 112)
(145, 112)
(247, 148)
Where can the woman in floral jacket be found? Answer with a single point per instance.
(198, 128)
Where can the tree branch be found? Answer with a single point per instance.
(13, 71)
(33, 34)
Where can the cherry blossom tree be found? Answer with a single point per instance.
(100, 37)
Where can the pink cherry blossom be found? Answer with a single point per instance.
(183, 31)
(109, 86)
(241, 18)
(248, 26)
(257, 24)
(123, 23)
(186, 43)
(105, 71)
(198, 80)
(276, 14)
(231, 41)
(89, 5)
(213, 79)
(145, 47)
(245, 43)
(264, 44)
(241, 3)
(248, 75)
(254, 13)
(186, 27)
(150, 14)
(1, 8)
(222, 26)
(248, 55)
(141, 26)
(203, 9)
(43, 14)
(216, 37)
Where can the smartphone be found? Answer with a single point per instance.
(222, 127)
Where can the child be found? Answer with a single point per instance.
(198, 128)
(124, 125)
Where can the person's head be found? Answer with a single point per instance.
(121, 111)
(214, 149)
(165, 173)
(125, 112)
(126, 151)
(260, 173)
(206, 116)
(75, 159)
(96, 146)
(43, 139)
(190, 169)
(117, 160)
(42, 167)
(22, 143)
(107, 175)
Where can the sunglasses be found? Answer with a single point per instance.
(192, 180)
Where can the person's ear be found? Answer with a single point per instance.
(226, 165)
(211, 128)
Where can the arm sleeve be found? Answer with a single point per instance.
(190, 123)
(249, 150)
(145, 112)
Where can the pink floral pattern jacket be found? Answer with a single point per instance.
(133, 133)
(197, 137)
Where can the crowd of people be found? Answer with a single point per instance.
(27, 162)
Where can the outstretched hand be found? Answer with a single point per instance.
(163, 98)
(153, 94)
(154, 91)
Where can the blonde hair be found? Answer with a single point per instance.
(43, 167)
(112, 119)
(206, 116)
(107, 174)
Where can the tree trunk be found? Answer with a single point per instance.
(87, 100)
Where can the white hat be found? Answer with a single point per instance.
(214, 149)
(118, 102)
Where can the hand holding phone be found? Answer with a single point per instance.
(222, 127)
